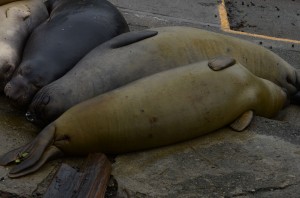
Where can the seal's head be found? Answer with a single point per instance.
(46, 106)
(26, 81)
(36, 112)
(20, 90)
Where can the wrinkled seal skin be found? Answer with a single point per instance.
(162, 109)
(17, 21)
(110, 67)
(74, 28)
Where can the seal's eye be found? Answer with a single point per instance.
(21, 72)
(46, 100)
(38, 82)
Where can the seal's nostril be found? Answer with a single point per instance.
(7, 68)
(30, 117)
(7, 89)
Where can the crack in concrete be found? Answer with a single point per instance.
(42, 187)
(262, 190)
(11, 195)
(165, 17)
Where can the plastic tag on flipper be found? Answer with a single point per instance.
(243, 121)
(221, 63)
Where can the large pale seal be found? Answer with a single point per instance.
(17, 21)
(162, 109)
(73, 29)
(116, 64)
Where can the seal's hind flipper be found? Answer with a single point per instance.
(33, 155)
(131, 37)
(26, 168)
(243, 121)
(221, 62)
(13, 155)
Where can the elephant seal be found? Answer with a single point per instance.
(123, 60)
(162, 109)
(17, 21)
(74, 28)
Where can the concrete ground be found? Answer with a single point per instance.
(263, 161)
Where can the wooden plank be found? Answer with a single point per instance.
(90, 182)
(95, 177)
(63, 183)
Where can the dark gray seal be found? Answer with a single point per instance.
(74, 28)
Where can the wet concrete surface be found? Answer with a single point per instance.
(16, 131)
(221, 164)
(276, 18)
(263, 161)
(201, 11)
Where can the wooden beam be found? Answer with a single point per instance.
(90, 182)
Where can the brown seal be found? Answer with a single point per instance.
(162, 109)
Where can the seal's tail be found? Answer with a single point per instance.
(33, 155)
(295, 99)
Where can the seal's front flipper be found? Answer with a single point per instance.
(221, 62)
(130, 38)
(243, 121)
(32, 156)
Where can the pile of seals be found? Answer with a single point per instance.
(73, 28)
(138, 90)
